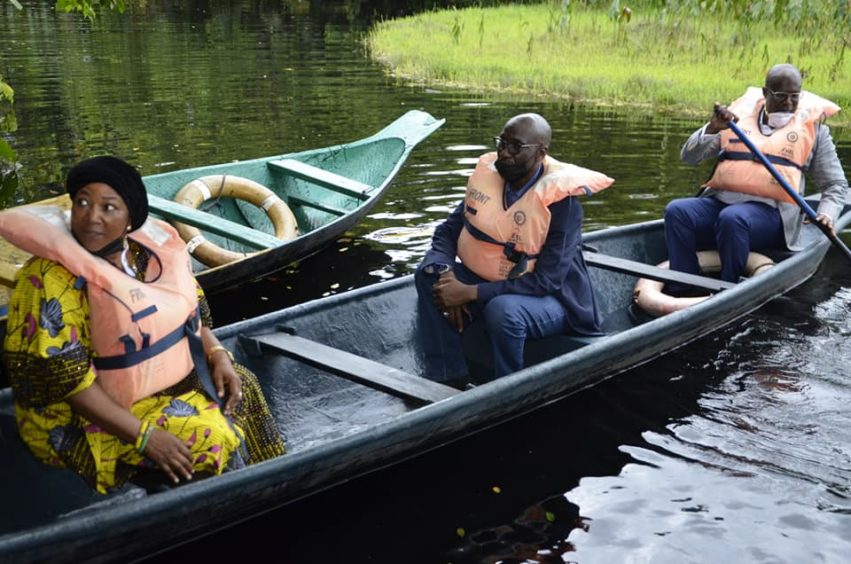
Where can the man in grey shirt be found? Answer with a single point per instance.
(728, 216)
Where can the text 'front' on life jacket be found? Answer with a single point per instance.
(788, 147)
(498, 243)
(139, 329)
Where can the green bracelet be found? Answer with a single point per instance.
(143, 428)
(145, 437)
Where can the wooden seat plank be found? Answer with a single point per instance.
(652, 272)
(322, 177)
(296, 201)
(353, 367)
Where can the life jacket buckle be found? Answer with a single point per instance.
(512, 253)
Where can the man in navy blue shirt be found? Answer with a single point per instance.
(517, 238)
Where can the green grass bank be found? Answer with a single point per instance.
(650, 57)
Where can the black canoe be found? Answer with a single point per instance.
(340, 375)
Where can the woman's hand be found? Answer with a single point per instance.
(166, 450)
(225, 379)
(170, 454)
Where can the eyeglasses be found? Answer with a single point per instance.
(783, 96)
(513, 147)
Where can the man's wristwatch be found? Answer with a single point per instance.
(437, 268)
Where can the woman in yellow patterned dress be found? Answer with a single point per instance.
(65, 416)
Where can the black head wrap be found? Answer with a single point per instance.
(120, 176)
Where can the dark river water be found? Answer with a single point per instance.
(735, 448)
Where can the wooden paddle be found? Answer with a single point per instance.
(805, 207)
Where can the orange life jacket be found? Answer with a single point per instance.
(498, 243)
(139, 329)
(788, 148)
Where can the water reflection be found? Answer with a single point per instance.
(762, 465)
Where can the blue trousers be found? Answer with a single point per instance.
(693, 224)
(509, 320)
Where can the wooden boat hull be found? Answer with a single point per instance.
(340, 185)
(336, 429)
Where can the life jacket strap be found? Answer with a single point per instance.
(747, 156)
(150, 310)
(148, 350)
(196, 349)
(520, 258)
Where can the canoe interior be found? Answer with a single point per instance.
(336, 429)
(313, 205)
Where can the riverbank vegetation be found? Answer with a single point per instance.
(657, 55)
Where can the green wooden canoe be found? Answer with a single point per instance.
(328, 191)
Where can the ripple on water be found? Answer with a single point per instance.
(760, 472)
(396, 216)
(670, 509)
(467, 148)
(401, 235)
(458, 172)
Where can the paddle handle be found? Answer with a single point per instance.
(802, 203)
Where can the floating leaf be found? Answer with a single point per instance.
(551, 517)
(460, 532)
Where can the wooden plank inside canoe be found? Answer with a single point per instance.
(322, 177)
(237, 232)
(652, 272)
(296, 201)
(353, 367)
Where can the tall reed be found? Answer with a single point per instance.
(654, 54)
